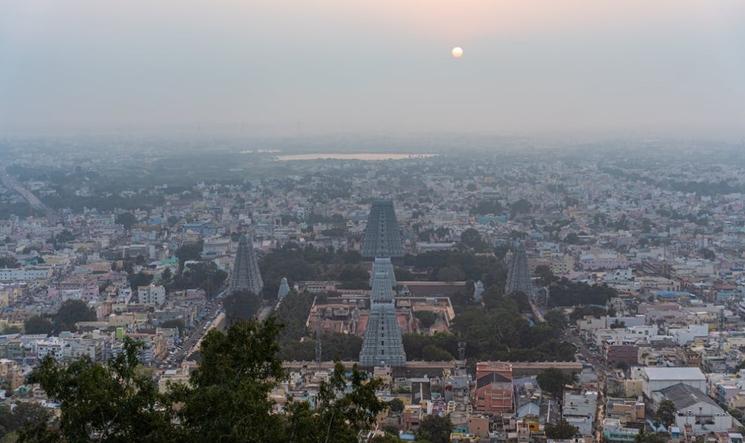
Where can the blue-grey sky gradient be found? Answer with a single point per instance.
(287, 67)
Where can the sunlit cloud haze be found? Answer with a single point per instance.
(289, 67)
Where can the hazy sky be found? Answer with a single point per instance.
(293, 67)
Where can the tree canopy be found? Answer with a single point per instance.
(435, 429)
(666, 412)
(226, 399)
(37, 325)
(126, 219)
(553, 380)
(561, 430)
(71, 312)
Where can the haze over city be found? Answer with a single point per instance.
(282, 68)
(357, 221)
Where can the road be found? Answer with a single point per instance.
(191, 343)
(264, 312)
(33, 201)
(601, 369)
(214, 318)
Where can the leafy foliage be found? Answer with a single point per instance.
(38, 325)
(568, 293)
(492, 206)
(139, 279)
(241, 305)
(419, 347)
(561, 430)
(426, 318)
(665, 413)
(309, 263)
(107, 403)
(126, 219)
(435, 429)
(8, 261)
(471, 238)
(189, 252)
(175, 323)
(487, 268)
(202, 275)
(226, 400)
(499, 332)
(553, 380)
(71, 312)
(292, 314)
(21, 416)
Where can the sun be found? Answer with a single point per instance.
(457, 52)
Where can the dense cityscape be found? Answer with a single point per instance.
(521, 293)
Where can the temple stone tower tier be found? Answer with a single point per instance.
(382, 234)
(284, 289)
(382, 344)
(518, 273)
(245, 275)
(382, 272)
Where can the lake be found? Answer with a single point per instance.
(368, 156)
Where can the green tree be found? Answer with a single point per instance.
(553, 380)
(106, 403)
(545, 275)
(561, 430)
(241, 305)
(346, 405)
(23, 415)
(139, 279)
(572, 239)
(71, 312)
(666, 412)
(396, 405)
(126, 219)
(426, 318)
(37, 325)
(654, 437)
(556, 319)
(227, 399)
(435, 353)
(188, 252)
(166, 276)
(451, 273)
(521, 206)
(10, 330)
(202, 275)
(175, 323)
(435, 429)
(472, 238)
(8, 261)
(65, 236)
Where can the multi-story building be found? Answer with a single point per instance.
(151, 295)
(25, 274)
(493, 393)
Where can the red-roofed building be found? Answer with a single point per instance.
(493, 393)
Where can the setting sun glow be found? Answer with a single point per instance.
(457, 52)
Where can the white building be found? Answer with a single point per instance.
(124, 295)
(151, 295)
(25, 274)
(683, 336)
(696, 409)
(656, 378)
(579, 410)
(50, 346)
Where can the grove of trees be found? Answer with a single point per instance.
(226, 399)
